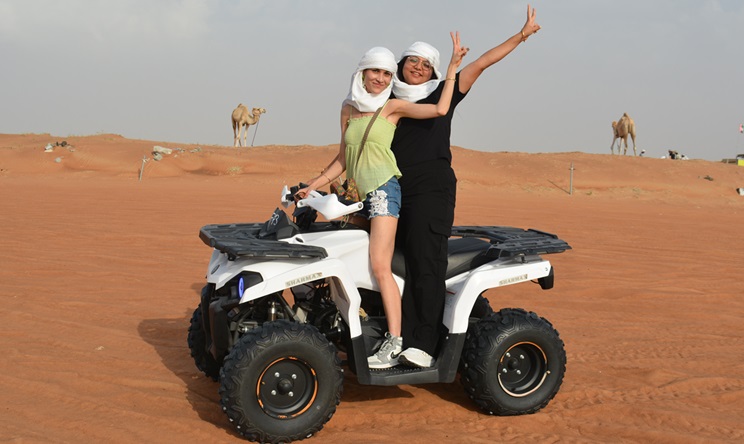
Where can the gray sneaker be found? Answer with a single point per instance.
(387, 355)
(416, 358)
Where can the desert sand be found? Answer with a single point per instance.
(101, 270)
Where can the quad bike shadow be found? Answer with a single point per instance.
(200, 393)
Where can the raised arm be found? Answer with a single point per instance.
(458, 53)
(473, 70)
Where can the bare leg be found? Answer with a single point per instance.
(381, 247)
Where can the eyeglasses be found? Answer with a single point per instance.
(413, 60)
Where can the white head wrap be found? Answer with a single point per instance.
(414, 93)
(376, 58)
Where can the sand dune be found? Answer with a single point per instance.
(101, 270)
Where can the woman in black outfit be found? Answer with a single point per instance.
(428, 184)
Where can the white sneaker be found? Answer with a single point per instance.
(416, 358)
(387, 355)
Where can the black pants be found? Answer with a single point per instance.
(426, 217)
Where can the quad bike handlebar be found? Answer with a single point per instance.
(326, 204)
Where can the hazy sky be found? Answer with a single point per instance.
(173, 70)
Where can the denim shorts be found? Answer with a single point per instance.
(384, 201)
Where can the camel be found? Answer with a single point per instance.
(241, 118)
(620, 130)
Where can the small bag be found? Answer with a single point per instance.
(349, 190)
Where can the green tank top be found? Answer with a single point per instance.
(377, 162)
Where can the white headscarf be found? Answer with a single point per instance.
(376, 58)
(414, 93)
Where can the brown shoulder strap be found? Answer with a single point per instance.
(369, 126)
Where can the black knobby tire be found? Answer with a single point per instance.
(513, 363)
(197, 340)
(281, 382)
(481, 308)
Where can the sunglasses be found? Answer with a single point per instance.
(413, 60)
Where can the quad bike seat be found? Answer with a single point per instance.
(464, 254)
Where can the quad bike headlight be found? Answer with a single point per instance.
(242, 282)
(234, 288)
(241, 285)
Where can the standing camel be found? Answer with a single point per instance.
(241, 118)
(620, 130)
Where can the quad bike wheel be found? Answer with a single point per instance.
(281, 382)
(513, 363)
(197, 340)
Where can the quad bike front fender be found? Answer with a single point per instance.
(344, 290)
(222, 270)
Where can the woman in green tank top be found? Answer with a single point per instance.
(376, 172)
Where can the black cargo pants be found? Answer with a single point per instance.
(426, 218)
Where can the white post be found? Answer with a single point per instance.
(570, 181)
(144, 159)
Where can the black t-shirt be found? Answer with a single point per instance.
(418, 141)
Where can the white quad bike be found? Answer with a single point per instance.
(279, 362)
